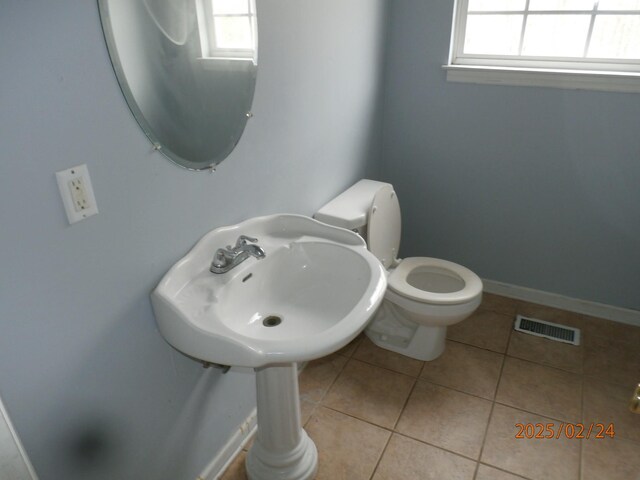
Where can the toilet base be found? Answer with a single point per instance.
(392, 332)
(427, 344)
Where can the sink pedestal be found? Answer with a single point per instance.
(282, 450)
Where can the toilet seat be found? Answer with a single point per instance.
(384, 226)
(444, 282)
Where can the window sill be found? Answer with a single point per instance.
(569, 79)
(226, 63)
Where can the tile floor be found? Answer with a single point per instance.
(377, 415)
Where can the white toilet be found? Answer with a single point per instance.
(424, 295)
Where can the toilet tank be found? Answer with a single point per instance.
(350, 208)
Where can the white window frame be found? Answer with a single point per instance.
(573, 73)
(206, 27)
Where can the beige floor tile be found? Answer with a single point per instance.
(445, 418)
(368, 352)
(486, 472)
(542, 390)
(236, 470)
(484, 329)
(546, 352)
(464, 367)
(348, 448)
(610, 459)
(370, 393)
(612, 361)
(306, 410)
(538, 459)
(607, 403)
(600, 329)
(319, 375)
(499, 304)
(351, 347)
(408, 459)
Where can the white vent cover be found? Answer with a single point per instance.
(552, 331)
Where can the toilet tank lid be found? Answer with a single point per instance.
(351, 207)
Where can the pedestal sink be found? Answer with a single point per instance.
(312, 293)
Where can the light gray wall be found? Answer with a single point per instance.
(92, 388)
(530, 186)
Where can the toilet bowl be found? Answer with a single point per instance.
(424, 295)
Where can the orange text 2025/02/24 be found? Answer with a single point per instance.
(567, 430)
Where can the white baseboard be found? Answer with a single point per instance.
(600, 310)
(225, 456)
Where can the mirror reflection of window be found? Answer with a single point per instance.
(228, 29)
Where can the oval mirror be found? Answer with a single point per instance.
(187, 69)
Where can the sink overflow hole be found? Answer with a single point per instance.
(247, 277)
(272, 321)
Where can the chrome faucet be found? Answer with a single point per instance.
(229, 257)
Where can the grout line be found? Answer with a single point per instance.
(390, 430)
(315, 407)
(439, 447)
(324, 394)
(511, 330)
(386, 368)
(520, 409)
(384, 450)
(493, 404)
(332, 383)
(458, 390)
(480, 348)
(502, 470)
(406, 402)
(545, 365)
(475, 471)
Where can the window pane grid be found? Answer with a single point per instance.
(555, 29)
(583, 44)
(525, 19)
(227, 29)
(233, 26)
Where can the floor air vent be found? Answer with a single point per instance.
(552, 331)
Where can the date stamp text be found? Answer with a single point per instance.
(566, 430)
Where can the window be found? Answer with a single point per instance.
(227, 29)
(548, 42)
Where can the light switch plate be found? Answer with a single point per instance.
(77, 193)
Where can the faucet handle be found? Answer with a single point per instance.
(244, 239)
(220, 259)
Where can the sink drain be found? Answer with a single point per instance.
(271, 321)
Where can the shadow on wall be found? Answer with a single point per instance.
(94, 429)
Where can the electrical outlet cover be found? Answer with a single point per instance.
(77, 193)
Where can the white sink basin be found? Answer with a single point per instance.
(314, 292)
(315, 289)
